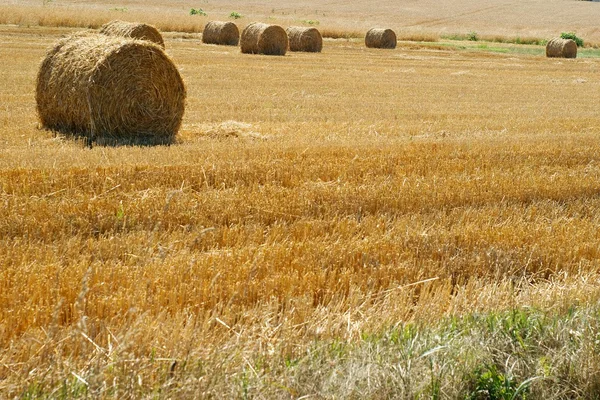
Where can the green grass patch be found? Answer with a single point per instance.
(533, 50)
(474, 37)
(516, 354)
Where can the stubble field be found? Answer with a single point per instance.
(321, 222)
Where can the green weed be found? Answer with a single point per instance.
(198, 11)
(573, 36)
(489, 383)
(472, 36)
(311, 22)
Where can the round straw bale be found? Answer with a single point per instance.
(558, 47)
(111, 90)
(259, 38)
(381, 38)
(223, 33)
(305, 39)
(133, 30)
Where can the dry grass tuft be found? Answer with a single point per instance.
(563, 48)
(305, 39)
(381, 38)
(259, 38)
(419, 37)
(133, 30)
(333, 33)
(110, 89)
(223, 130)
(222, 33)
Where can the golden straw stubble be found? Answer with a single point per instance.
(110, 89)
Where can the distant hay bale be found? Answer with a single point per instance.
(259, 38)
(223, 33)
(110, 90)
(133, 30)
(564, 48)
(381, 38)
(305, 39)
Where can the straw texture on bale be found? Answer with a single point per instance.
(133, 30)
(559, 47)
(381, 38)
(305, 39)
(259, 38)
(223, 33)
(110, 90)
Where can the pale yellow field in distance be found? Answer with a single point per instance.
(504, 18)
(310, 197)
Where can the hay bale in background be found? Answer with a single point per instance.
(564, 48)
(381, 38)
(133, 30)
(305, 39)
(111, 90)
(223, 33)
(259, 38)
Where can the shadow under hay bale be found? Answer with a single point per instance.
(221, 33)
(110, 91)
(563, 48)
(133, 30)
(305, 39)
(259, 38)
(381, 39)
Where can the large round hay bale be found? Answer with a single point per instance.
(305, 39)
(259, 38)
(223, 33)
(558, 47)
(381, 38)
(110, 90)
(133, 30)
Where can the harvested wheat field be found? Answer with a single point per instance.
(414, 223)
